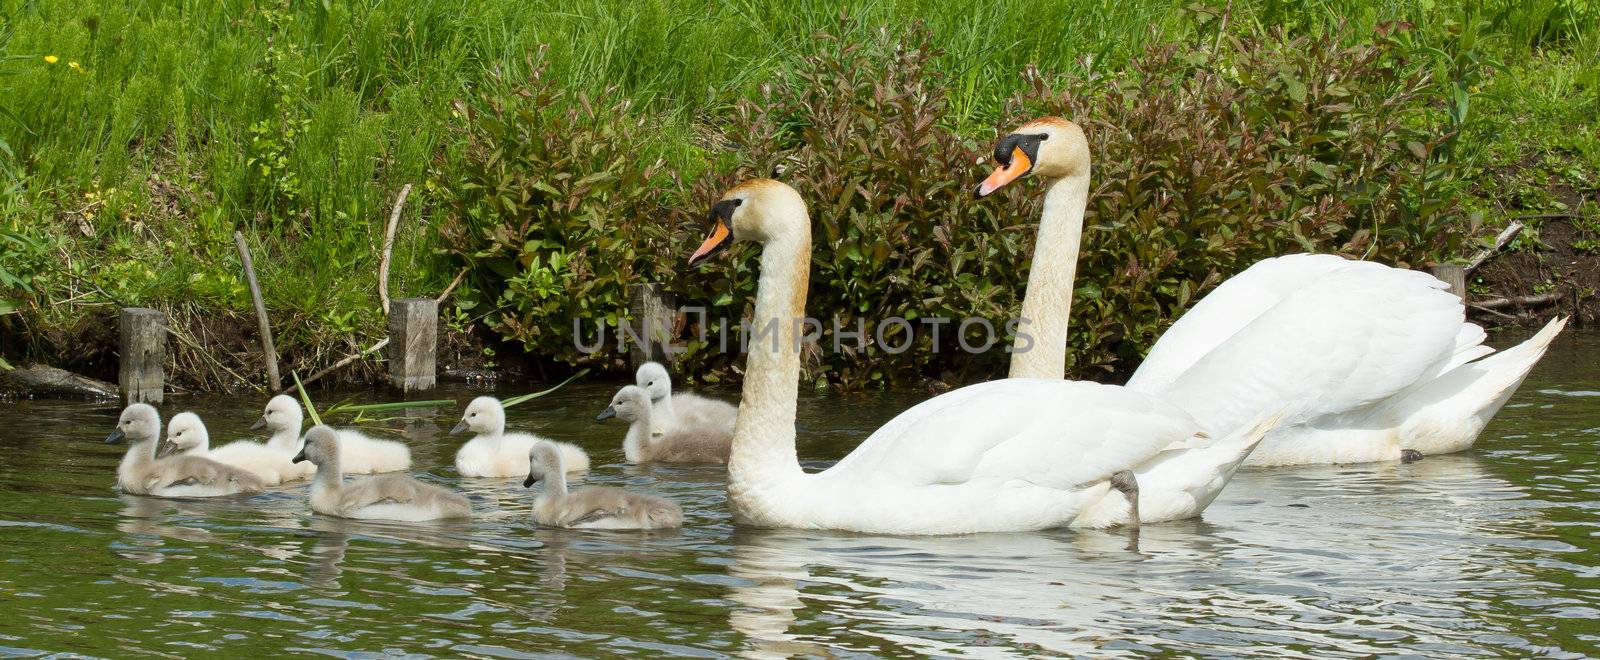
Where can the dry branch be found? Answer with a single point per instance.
(1500, 242)
(261, 312)
(388, 248)
(1518, 301)
(346, 360)
(452, 287)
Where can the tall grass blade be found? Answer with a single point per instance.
(529, 397)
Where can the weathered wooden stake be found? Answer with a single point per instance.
(141, 375)
(1455, 276)
(413, 340)
(271, 356)
(651, 327)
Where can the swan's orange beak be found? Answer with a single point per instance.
(1019, 165)
(717, 239)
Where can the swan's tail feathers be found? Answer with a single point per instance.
(1239, 445)
(1469, 346)
(1447, 413)
(1498, 376)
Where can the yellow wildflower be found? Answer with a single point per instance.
(51, 59)
(75, 67)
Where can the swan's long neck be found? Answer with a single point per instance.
(664, 406)
(1047, 303)
(329, 474)
(286, 438)
(763, 455)
(639, 435)
(135, 463)
(555, 482)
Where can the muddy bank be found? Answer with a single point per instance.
(1554, 271)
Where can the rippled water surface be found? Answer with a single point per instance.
(1492, 551)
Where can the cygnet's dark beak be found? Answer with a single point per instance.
(116, 436)
(460, 426)
(166, 448)
(606, 414)
(260, 424)
(300, 457)
(530, 481)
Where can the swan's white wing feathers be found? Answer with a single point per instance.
(1225, 311)
(1055, 433)
(1332, 347)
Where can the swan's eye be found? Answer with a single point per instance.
(473, 415)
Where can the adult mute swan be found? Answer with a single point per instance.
(1009, 455)
(689, 443)
(495, 453)
(671, 412)
(272, 466)
(1367, 362)
(150, 468)
(381, 497)
(591, 507)
(361, 453)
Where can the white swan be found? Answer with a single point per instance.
(382, 497)
(1009, 455)
(1175, 484)
(591, 507)
(495, 453)
(684, 444)
(682, 410)
(150, 468)
(362, 454)
(1367, 362)
(271, 466)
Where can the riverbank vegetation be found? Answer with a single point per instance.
(560, 152)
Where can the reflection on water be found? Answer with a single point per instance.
(1485, 552)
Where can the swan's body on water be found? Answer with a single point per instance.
(267, 463)
(1363, 361)
(497, 454)
(398, 497)
(1370, 363)
(687, 443)
(591, 507)
(362, 454)
(1177, 483)
(684, 410)
(151, 466)
(1010, 455)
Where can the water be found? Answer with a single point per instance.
(1487, 552)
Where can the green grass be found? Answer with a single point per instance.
(297, 122)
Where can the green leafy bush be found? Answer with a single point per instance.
(551, 205)
(1209, 157)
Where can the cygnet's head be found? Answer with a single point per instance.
(1049, 147)
(322, 446)
(543, 459)
(139, 423)
(757, 210)
(654, 379)
(483, 415)
(185, 433)
(282, 412)
(628, 404)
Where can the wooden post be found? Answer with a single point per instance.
(649, 337)
(271, 356)
(413, 340)
(140, 377)
(1454, 275)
